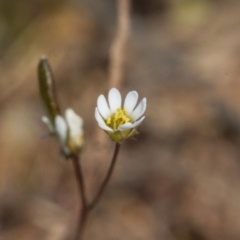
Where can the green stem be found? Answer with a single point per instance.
(84, 211)
(106, 180)
(86, 208)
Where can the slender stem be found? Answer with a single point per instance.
(86, 208)
(106, 180)
(84, 211)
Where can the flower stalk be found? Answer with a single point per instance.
(88, 207)
(81, 187)
(107, 178)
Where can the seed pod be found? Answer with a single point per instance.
(47, 89)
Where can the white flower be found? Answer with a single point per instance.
(69, 131)
(120, 121)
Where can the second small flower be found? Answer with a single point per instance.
(68, 130)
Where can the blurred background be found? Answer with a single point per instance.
(180, 180)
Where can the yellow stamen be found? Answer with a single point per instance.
(108, 121)
(118, 118)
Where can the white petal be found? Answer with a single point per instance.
(103, 106)
(130, 101)
(114, 99)
(131, 125)
(138, 122)
(45, 120)
(125, 126)
(61, 129)
(48, 123)
(139, 110)
(105, 127)
(74, 122)
(98, 116)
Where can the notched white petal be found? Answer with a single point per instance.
(139, 110)
(125, 126)
(74, 122)
(48, 123)
(138, 122)
(114, 99)
(61, 128)
(130, 101)
(103, 106)
(105, 127)
(98, 116)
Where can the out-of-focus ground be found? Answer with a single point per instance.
(180, 180)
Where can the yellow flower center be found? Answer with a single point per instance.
(118, 118)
